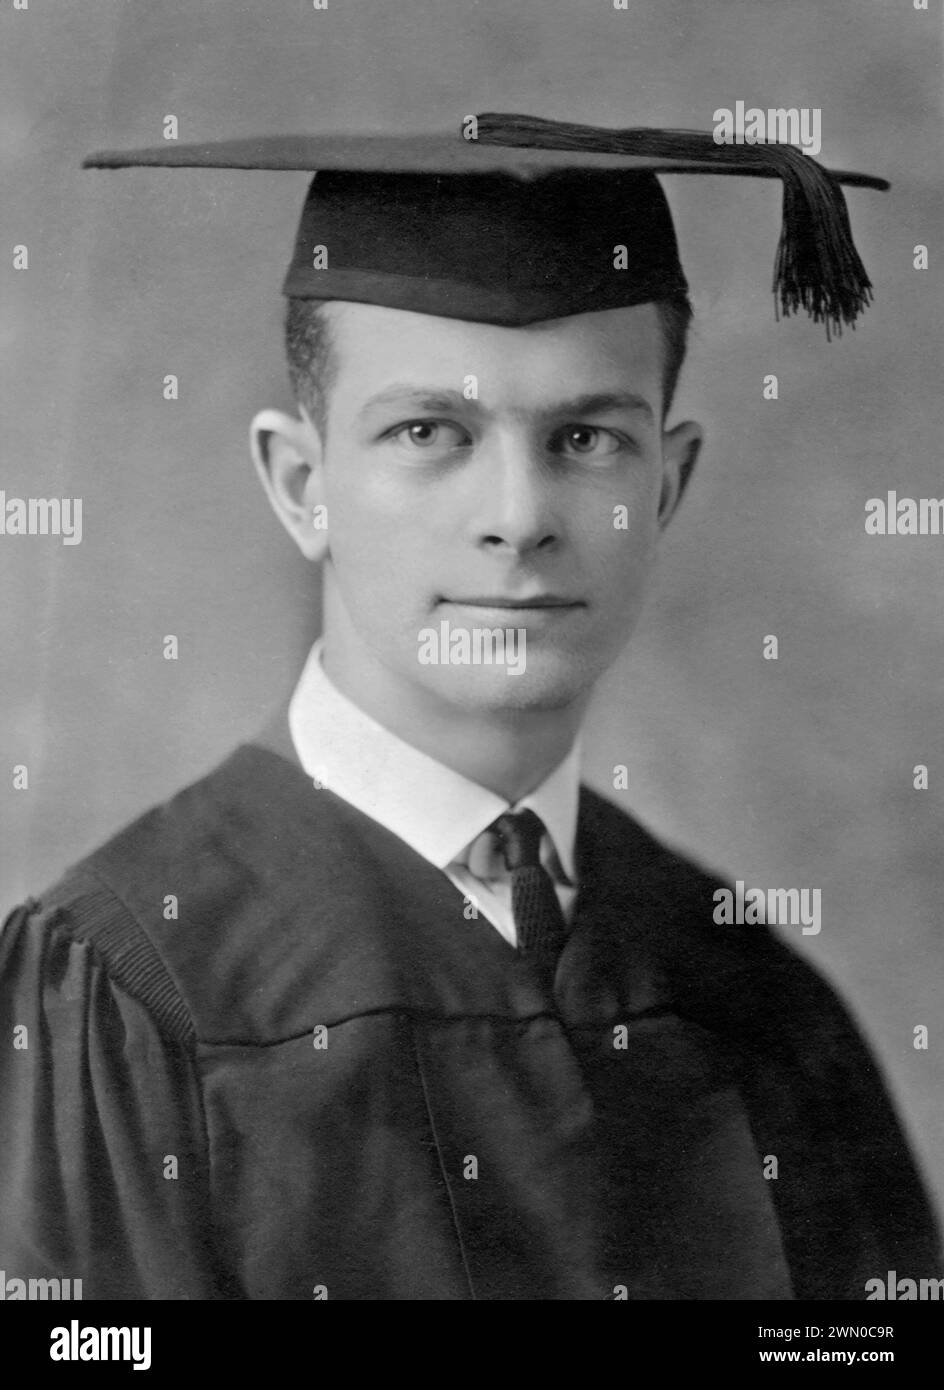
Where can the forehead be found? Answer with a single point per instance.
(375, 345)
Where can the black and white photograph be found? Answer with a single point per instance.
(472, 707)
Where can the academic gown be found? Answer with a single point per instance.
(271, 1054)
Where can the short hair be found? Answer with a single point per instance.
(312, 362)
(676, 316)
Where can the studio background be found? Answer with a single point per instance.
(797, 772)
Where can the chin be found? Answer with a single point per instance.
(548, 682)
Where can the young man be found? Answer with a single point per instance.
(389, 1006)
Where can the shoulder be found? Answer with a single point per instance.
(199, 906)
(741, 976)
(178, 863)
(206, 835)
(79, 942)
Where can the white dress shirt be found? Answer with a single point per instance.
(434, 809)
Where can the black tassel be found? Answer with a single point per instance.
(817, 268)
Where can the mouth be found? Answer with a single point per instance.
(503, 601)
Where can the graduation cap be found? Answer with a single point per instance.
(514, 219)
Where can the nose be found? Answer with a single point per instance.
(515, 509)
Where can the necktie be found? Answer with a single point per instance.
(539, 921)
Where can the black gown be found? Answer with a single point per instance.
(322, 1079)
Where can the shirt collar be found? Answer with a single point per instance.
(436, 810)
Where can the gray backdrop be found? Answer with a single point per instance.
(795, 772)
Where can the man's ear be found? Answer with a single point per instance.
(287, 453)
(680, 449)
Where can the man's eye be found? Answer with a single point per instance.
(431, 434)
(587, 440)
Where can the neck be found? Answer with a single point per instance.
(508, 751)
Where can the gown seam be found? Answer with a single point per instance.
(143, 973)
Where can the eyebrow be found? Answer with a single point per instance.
(606, 403)
(433, 400)
(421, 398)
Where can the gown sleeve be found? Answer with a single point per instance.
(103, 1148)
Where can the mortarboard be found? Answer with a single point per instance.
(530, 219)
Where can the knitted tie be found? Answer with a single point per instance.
(539, 920)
